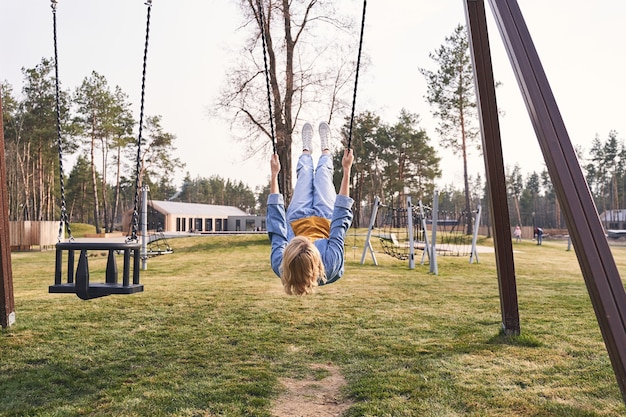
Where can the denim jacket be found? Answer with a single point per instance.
(331, 249)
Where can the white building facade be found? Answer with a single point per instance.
(171, 216)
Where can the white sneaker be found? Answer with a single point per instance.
(307, 137)
(324, 136)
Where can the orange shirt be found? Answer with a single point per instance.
(313, 227)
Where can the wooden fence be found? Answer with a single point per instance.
(26, 235)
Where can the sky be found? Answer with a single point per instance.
(193, 43)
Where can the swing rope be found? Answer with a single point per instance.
(356, 78)
(78, 280)
(267, 74)
(135, 224)
(64, 217)
(64, 221)
(356, 83)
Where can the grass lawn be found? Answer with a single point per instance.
(213, 335)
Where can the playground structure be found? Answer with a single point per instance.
(154, 242)
(598, 267)
(403, 230)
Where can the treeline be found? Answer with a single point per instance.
(532, 197)
(393, 161)
(605, 172)
(98, 135)
(217, 190)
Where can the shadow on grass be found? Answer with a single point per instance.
(522, 340)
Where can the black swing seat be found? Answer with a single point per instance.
(78, 280)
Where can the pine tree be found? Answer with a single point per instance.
(451, 94)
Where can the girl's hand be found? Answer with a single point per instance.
(275, 165)
(348, 159)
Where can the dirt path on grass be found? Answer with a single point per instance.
(311, 397)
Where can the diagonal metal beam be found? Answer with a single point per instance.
(602, 279)
(492, 152)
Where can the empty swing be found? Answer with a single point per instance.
(78, 280)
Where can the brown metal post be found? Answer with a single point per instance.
(7, 303)
(604, 284)
(492, 151)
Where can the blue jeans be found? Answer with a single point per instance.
(314, 193)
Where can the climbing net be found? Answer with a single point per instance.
(394, 237)
(452, 234)
(402, 230)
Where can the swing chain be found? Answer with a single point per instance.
(356, 78)
(135, 220)
(64, 221)
(267, 76)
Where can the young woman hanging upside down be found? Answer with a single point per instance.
(308, 240)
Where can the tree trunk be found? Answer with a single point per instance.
(94, 182)
(557, 208)
(614, 192)
(469, 229)
(12, 180)
(285, 177)
(71, 209)
(48, 191)
(517, 210)
(287, 125)
(105, 203)
(82, 215)
(116, 202)
(32, 203)
(40, 185)
(23, 206)
(357, 187)
(51, 201)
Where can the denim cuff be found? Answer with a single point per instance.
(275, 199)
(344, 201)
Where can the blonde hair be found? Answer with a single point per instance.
(302, 267)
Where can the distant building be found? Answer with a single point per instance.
(613, 219)
(171, 216)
